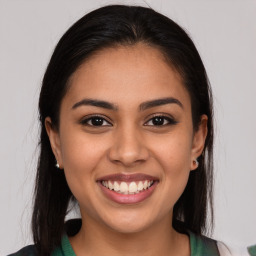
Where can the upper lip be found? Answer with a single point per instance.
(128, 177)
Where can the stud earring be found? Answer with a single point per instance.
(195, 161)
(57, 165)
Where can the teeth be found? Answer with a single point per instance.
(140, 186)
(127, 188)
(145, 185)
(110, 185)
(116, 186)
(123, 187)
(133, 187)
(105, 183)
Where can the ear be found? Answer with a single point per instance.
(54, 138)
(198, 141)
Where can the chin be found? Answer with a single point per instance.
(128, 224)
(125, 228)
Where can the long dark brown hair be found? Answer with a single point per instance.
(102, 28)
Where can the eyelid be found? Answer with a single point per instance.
(168, 117)
(85, 119)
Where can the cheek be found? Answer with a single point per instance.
(173, 157)
(173, 152)
(81, 151)
(81, 155)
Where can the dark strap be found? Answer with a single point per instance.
(29, 250)
(202, 246)
(252, 250)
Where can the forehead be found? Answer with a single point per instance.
(122, 73)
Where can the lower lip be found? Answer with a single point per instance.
(128, 198)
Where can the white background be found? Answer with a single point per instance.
(225, 35)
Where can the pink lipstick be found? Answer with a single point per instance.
(127, 189)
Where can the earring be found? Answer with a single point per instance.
(57, 165)
(195, 161)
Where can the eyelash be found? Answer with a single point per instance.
(85, 121)
(170, 120)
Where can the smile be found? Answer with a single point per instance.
(129, 188)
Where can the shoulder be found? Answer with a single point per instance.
(252, 250)
(202, 245)
(64, 249)
(29, 250)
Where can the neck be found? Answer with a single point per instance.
(160, 239)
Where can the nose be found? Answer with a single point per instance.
(128, 148)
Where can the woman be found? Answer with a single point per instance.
(127, 133)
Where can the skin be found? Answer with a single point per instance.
(128, 142)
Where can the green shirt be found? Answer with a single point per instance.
(199, 246)
(252, 250)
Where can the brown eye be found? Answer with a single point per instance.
(96, 121)
(160, 121)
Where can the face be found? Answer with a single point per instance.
(126, 140)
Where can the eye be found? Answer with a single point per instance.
(160, 120)
(95, 121)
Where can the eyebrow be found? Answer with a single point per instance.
(142, 106)
(159, 102)
(95, 103)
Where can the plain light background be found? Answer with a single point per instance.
(225, 35)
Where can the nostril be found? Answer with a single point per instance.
(128, 153)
